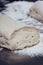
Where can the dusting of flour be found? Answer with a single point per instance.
(18, 9)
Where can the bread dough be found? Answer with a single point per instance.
(36, 11)
(8, 26)
(15, 35)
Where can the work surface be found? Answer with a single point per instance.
(8, 58)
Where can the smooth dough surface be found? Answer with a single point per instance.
(36, 11)
(8, 26)
(17, 36)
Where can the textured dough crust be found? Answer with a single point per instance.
(27, 36)
(36, 11)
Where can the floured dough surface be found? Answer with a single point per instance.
(26, 37)
(36, 11)
(15, 35)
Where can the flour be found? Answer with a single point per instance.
(18, 10)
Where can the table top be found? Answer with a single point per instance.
(8, 58)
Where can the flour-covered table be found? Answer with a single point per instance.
(19, 12)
